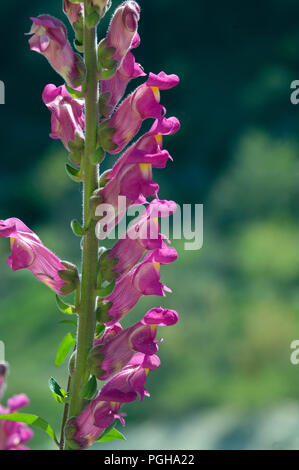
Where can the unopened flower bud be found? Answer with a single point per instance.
(70, 276)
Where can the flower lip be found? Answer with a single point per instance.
(162, 80)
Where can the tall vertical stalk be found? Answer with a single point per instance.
(87, 318)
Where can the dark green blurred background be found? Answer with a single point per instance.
(226, 379)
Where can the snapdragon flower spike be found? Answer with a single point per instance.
(143, 279)
(142, 236)
(67, 119)
(115, 349)
(143, 103)
(122, 29)
(13, 434)
(49, 38)
(27, 251)
(114, 88)
(73, 11)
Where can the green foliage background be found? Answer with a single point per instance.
(226, 379)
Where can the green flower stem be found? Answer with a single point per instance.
(87, 316)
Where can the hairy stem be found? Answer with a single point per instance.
(87, 318)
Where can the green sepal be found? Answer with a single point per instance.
(105, 135)
(76, 157)
(97, 156)
(94, 202)
(77, 229)
(74, 93)
(89, 390)
(102, 311)
(81, 69)
(104, 178)
(95, 360)
(106, 74)
(104, 108)
(64, 307)
(100, 328)
(92, 19)
(105, 291)
(68, 288)
(74, 173)
(64, 348)
(58, 393)
(79, 45)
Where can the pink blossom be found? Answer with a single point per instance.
(143, 235)
(91, 423)
(67, 120)
(143, 279)
(114, 351)
(49, 38)
(143, 103)
(13, 434)
(125, 386)
(27, 251)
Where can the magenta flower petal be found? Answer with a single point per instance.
(68, 120)
(49, 38)
(27, 251)
(18, 401)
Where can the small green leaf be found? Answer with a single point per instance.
(74, 173)
(64, 307)
(105, 291)
(90, 389)
(74, 93)
(32, 420)
(58, 393)
(99, 329)
(66, 345)
(77, 229)
(112, 435)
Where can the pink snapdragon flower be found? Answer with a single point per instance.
(143, 103)
(68, 119)
(49, 38)
(142, 236)
(27, 251)
(143, 279)
(114, 351)
(86, 428)
(13, 434)
(115, 87)
(125, 386)
(122, 29)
